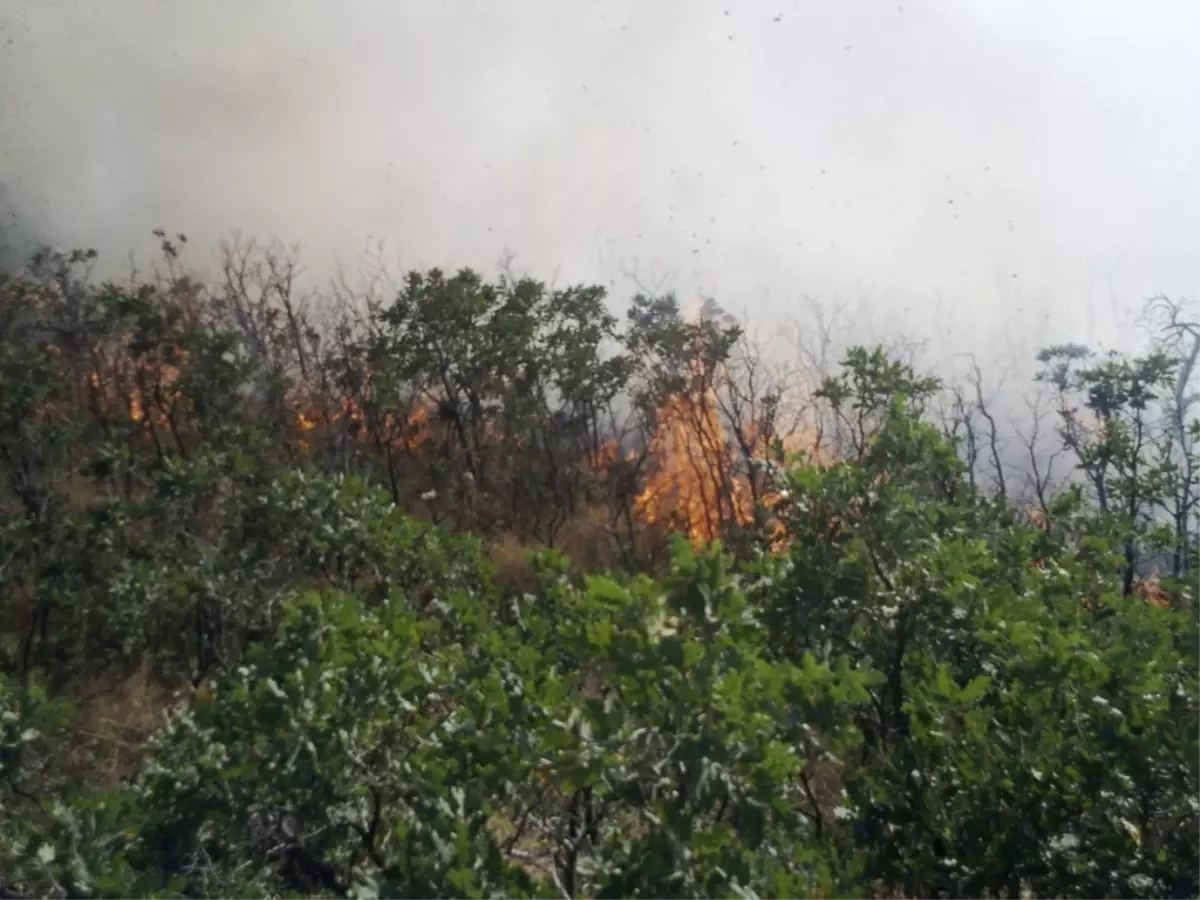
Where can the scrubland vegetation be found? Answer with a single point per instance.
(449, 586)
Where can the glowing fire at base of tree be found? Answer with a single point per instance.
(701, 483)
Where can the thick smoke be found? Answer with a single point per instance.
(988, 176)
(19, 235)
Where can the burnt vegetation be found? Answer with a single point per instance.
(439, 585)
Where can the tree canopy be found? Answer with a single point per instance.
(455, 587)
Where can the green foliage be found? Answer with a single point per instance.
(56, 838)
(335, 759)
(924, 694)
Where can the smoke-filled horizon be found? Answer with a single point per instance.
(992, 175)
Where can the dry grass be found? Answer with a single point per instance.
(111, 722)
(585, 539)
(510, 559)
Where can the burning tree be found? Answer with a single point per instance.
(718, 420)
(508, 408)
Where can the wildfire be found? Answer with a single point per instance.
(400, 431)
(1153, 593)
(693, 483)
(699, 482)
(143, 389)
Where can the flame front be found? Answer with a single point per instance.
(700, 482)
(692, 484)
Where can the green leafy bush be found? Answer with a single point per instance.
(920, 690)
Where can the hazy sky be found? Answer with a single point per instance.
(979, 171)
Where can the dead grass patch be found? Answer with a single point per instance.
(111, 722)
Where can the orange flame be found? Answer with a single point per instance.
(692, 483)
(699, 481)
(141, 388)
(1153, 593)
(398, 431)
